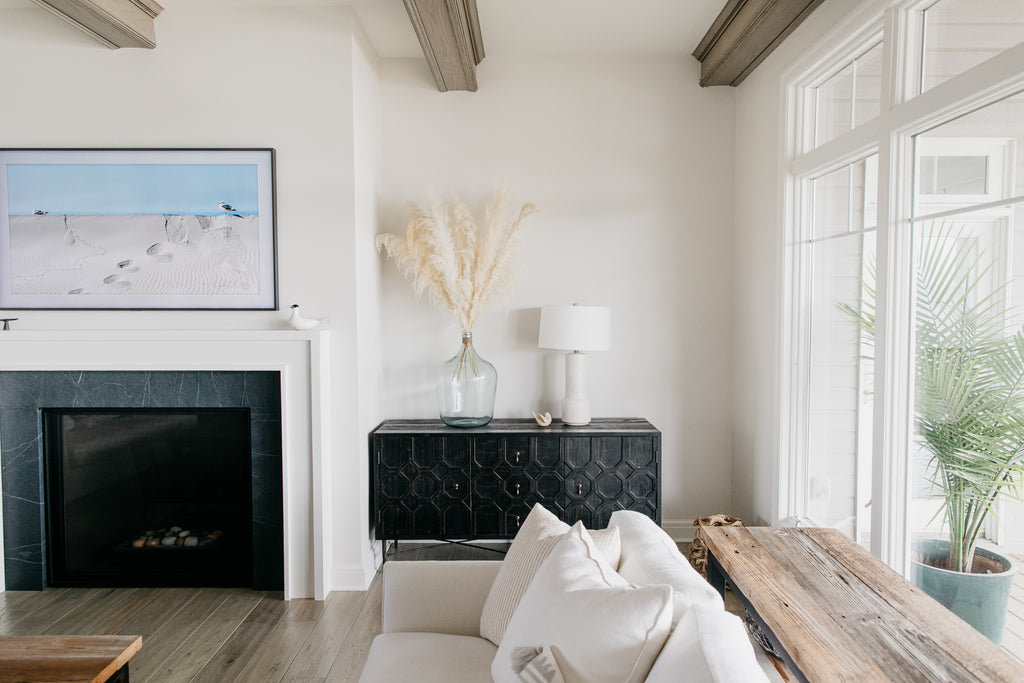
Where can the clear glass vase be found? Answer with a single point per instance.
(466, 386)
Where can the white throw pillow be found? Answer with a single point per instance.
(650, 556)
(711, 646)
(536, 537)
(600, 628)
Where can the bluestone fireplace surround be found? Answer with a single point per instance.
(135, 368)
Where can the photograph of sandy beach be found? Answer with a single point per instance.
(88, 233)
(136, 254)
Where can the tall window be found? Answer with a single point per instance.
(884, 181)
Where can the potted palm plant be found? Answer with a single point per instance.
(969, 418)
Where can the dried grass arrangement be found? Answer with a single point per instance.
(446, 254)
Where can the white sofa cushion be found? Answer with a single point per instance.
(436, 596)
(423, 657)
(711, 646)
(600, 628)
(650, 556)
(536, 537)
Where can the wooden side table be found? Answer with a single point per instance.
(835, 612)
(67, 659)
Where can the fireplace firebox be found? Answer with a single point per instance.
(148, 496)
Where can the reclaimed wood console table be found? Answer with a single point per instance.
(67, 659)
(836, 613)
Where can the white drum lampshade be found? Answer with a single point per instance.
(575, 329)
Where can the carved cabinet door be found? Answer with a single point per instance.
(424, 487)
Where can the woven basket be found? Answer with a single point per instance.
(699, 548)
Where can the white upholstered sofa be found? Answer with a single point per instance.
(620, 605)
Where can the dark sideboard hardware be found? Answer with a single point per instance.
(435, 482)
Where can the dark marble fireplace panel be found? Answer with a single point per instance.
(24, 393)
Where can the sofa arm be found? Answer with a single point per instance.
(436, 597)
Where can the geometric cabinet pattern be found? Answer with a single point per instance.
(431, 481)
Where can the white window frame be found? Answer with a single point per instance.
(904, 113)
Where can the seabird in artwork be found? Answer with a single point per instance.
(39, 212)
(227, 208)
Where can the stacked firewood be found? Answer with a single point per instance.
(699, 548)
(176, 537)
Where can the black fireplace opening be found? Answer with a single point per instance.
(139, 497)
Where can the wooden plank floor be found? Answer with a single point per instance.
(1013, 634)
(217, 635)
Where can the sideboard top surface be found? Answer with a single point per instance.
(607, 425)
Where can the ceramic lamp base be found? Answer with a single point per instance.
(575, 406)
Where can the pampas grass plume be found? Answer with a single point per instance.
(447, 256)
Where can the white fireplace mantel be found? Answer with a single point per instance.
(302, 359)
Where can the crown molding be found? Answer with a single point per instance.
(449, 33)
(115, 23)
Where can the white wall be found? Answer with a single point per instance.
(367, 141)
(265, 77)
(757, 307)
(630, 164)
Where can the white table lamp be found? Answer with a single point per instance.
(575, 329)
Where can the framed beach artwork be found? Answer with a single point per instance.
(137, 229)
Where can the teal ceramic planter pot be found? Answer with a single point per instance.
(979, 599)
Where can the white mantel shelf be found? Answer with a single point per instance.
(302, 358)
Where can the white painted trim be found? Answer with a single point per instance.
(680, 530)
(349, 577)
(300, 358)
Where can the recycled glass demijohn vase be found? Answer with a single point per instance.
(466, 386)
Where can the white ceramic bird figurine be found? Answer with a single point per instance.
(299, 322)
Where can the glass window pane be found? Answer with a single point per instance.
(963, 271)
(831, 203)
(864, 191)
(832, 111)
(840, 386)
(868, 86)
(969, 300)
(971, 160)
(960, 34)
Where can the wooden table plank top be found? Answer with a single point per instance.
(64, 659)
(842, 615)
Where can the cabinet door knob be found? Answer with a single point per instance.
(517, 489)
(456, 487)
(517, 454)
(579, 489)
(517, 521)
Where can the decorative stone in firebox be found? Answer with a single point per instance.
(24, 393)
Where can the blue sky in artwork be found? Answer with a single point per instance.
(124, 189)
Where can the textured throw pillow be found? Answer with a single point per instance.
(711, 646)
(650, 556)
(535, 539)
(600, 628)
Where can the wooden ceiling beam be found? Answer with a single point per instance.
(115, 23)
(449, 33)
(745, 32)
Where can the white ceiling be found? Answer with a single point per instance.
(523, 27)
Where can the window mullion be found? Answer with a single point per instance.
(893, 370)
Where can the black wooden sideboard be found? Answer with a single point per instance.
(432, 481)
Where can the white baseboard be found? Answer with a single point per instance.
(349, 577)
(681, 530)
